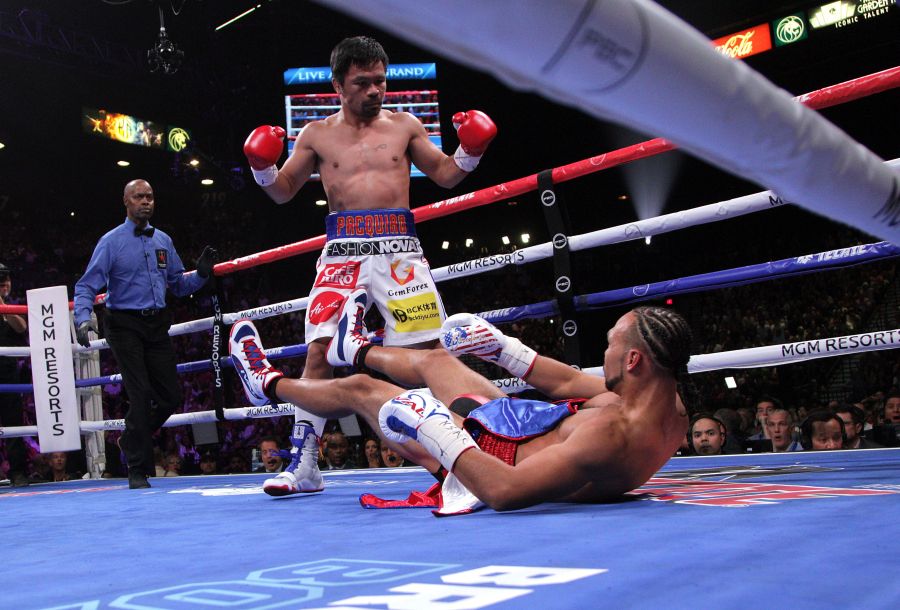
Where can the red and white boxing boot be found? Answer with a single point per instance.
(302, 474)
(351, 335)
(250, 362)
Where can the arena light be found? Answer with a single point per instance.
(647, 239)
(207, 182)
(194, 162)
(445, 245)
(505, 240)
(2, 145)
(123, 163)
(526, 238)
(72, 214)
(730, 383)
(233, 19)
(321, 202)
(469, 242)
(622, 197)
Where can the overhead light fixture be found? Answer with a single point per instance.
(469, 242)
(233, 19)
(123, 163)
(526, 238)
(194, 162)
(730, 383)
(207, 182)
(647, 239)
(622, 197)
(2, 145)
(445, 245)
(72, 214)
(321, 202)
(164, 56)
(505, 240)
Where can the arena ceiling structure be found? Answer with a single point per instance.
(59, 59)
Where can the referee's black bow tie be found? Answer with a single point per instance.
(148, 231)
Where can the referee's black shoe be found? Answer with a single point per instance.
(136, 480)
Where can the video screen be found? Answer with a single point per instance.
(132, 130)
(303, 108)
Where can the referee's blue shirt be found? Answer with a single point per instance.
(135, 270)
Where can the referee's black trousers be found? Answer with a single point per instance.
(146, 358)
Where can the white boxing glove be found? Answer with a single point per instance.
(466, 333)
(421, 417)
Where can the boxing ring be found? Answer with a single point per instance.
(201, 543)
(800, 530)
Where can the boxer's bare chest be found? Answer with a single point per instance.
(365, 167)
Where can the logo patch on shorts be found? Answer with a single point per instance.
(405, 275)
(162, 259)
(416, 313)
(339, 275)
(324, 306)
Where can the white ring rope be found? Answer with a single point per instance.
(754, 357)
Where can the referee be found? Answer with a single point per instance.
(136, 262)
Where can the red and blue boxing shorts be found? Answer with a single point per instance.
(499, 426)
(377, 250)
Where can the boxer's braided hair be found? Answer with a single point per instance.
(669, 338)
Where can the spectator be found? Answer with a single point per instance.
(173, 465)
(733, 438)
(390, 458)
(269, 455)
(237, 464)
(854, 420)
(892, 408)
(208, 463)
(707, 434)
(337, 452)
(780, 424)
(373, 453)
(159, 462)
(748, 421)
(887, 433)
(58, 467)
(822, 430)
(764, 406)
(13, 329)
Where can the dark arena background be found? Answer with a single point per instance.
(787, 307)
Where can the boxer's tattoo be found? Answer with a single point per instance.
(381, 147)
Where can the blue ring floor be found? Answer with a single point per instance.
(798, 530)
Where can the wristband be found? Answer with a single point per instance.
(464, 160)
(265, 177)
(444, 440)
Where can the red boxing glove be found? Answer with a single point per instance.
(263, 148)
(475, 130)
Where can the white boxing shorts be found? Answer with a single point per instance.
(377, 250)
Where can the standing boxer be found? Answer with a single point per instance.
(363, 155)
(136, 263)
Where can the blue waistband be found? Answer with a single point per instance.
(518, 418)
(369, 224)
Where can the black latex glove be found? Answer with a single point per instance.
(205, 263)
(81, 333)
